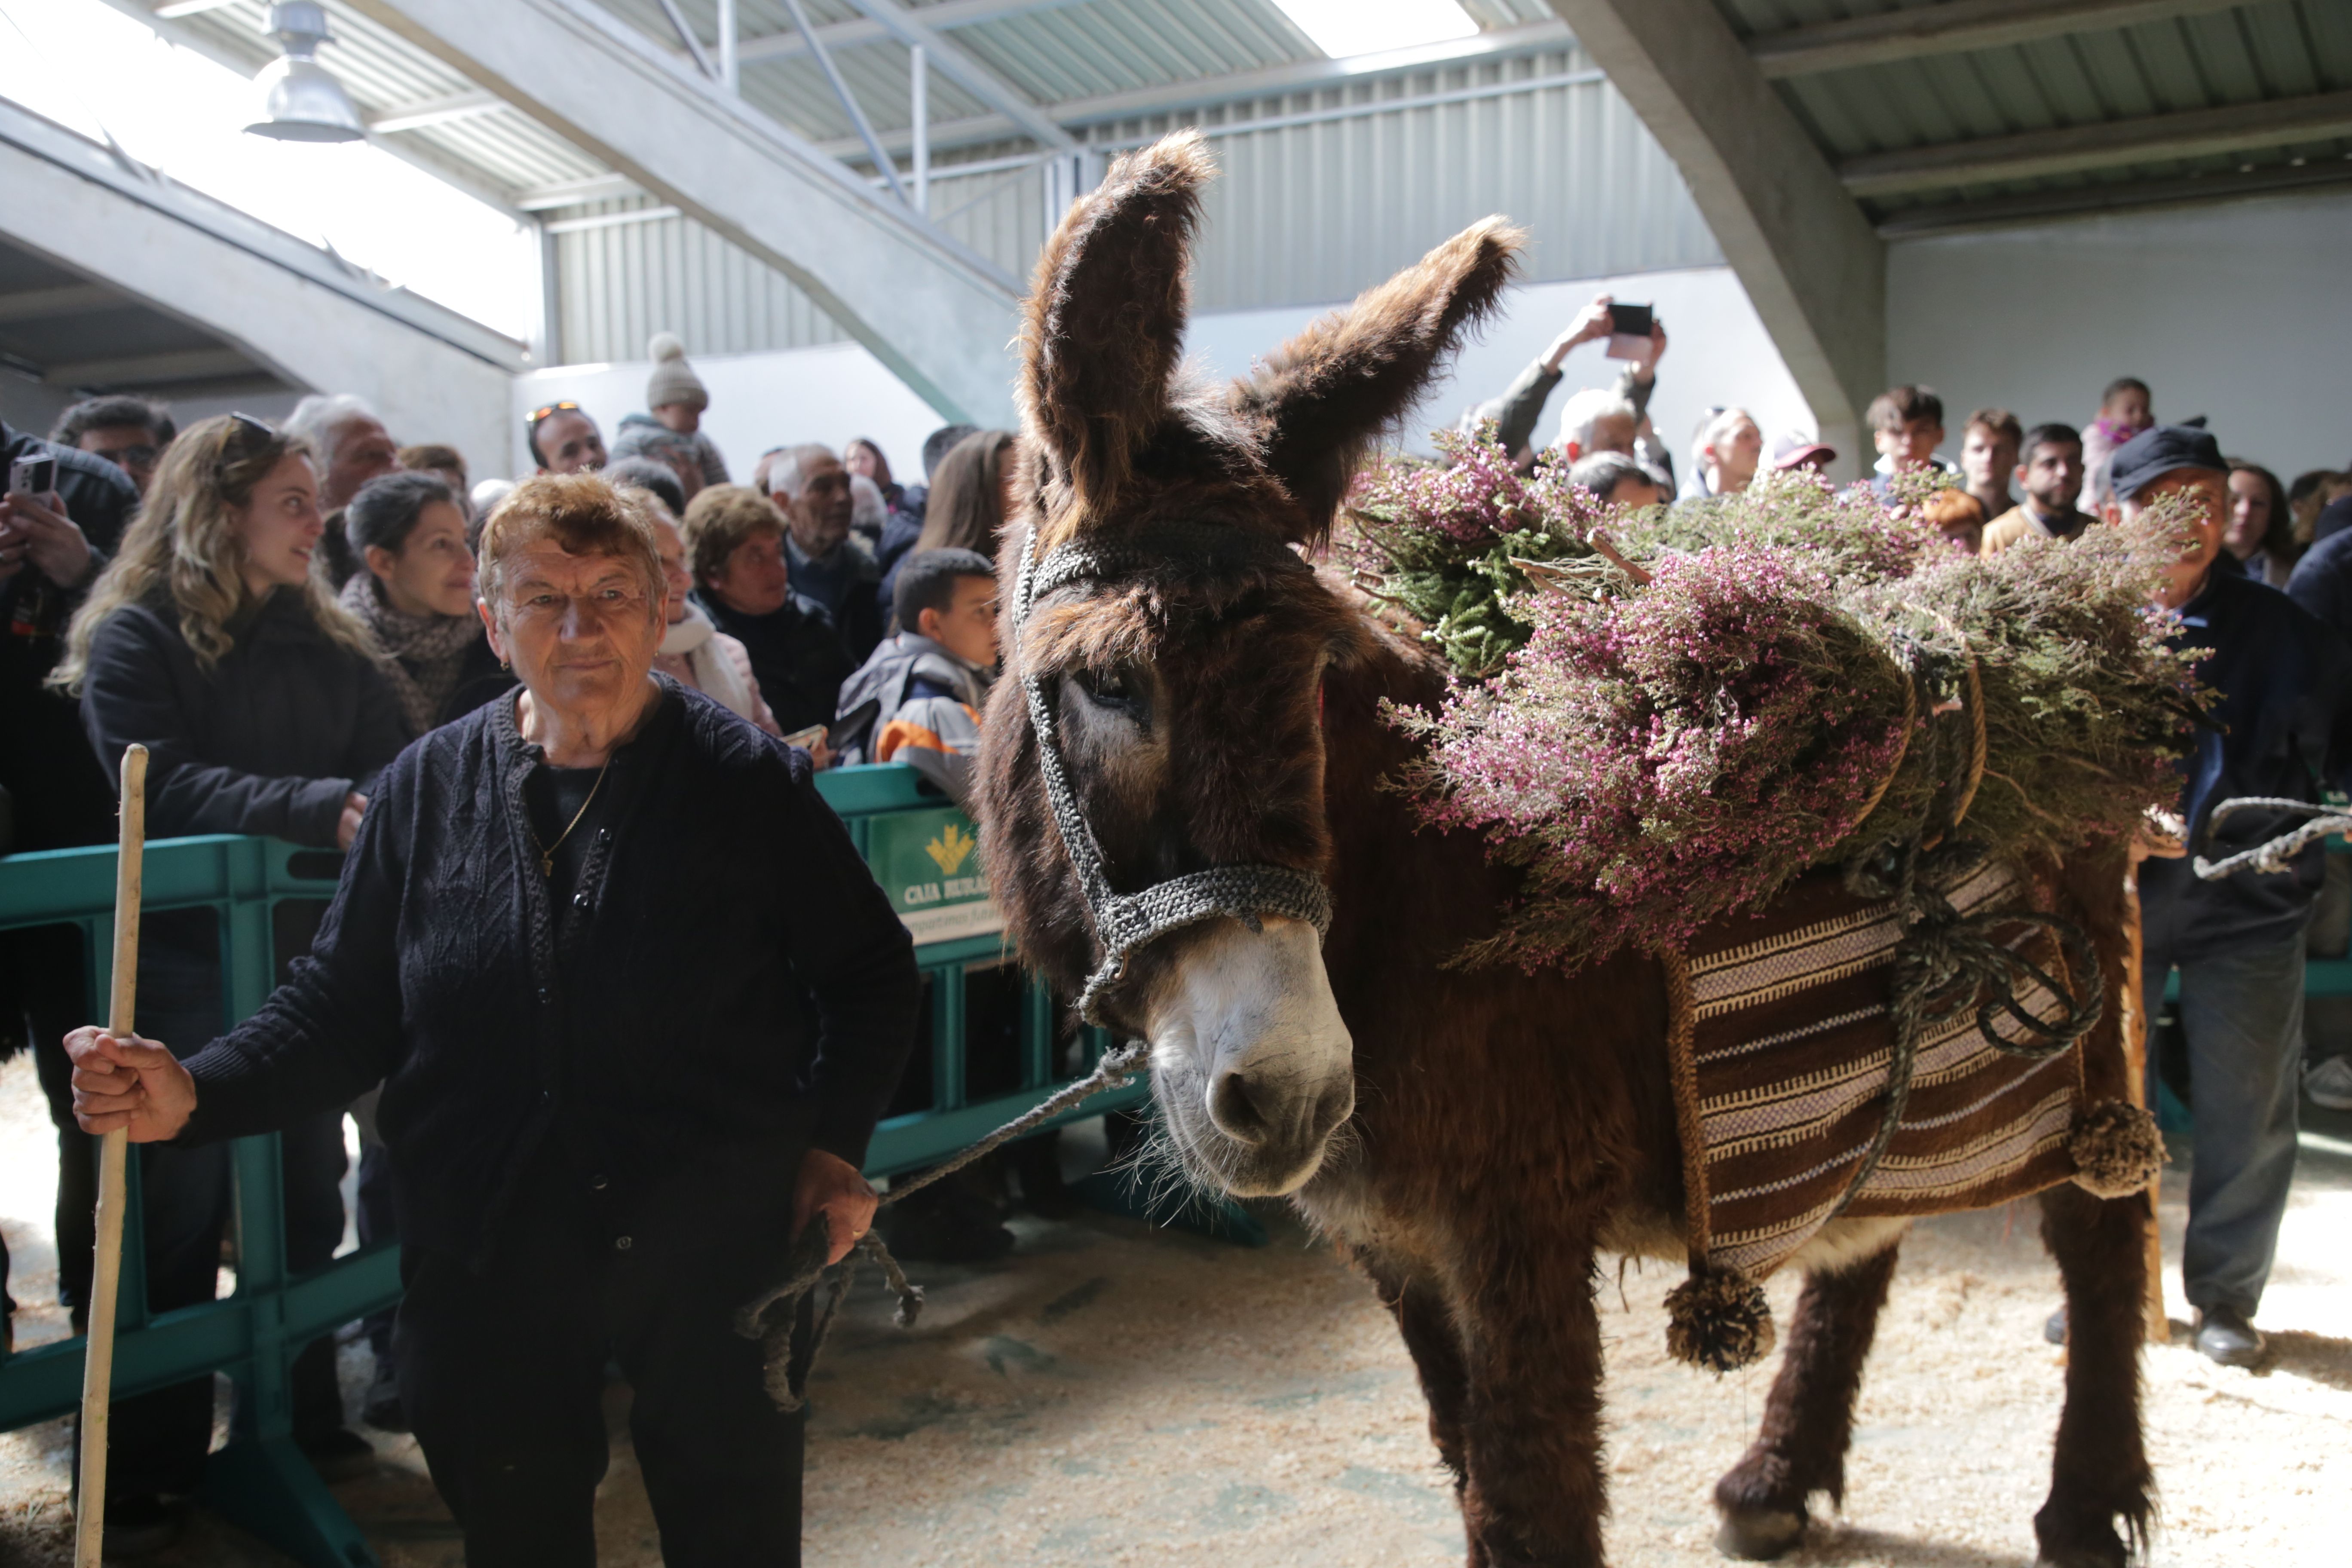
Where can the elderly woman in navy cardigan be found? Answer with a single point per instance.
(636, 1004)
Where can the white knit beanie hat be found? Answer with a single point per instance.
(673, 380)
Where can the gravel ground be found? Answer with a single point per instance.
(1114, 1394)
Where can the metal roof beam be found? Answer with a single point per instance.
(291, 310)
(1808, 261)
(1208, 93)
(935, 313)
(1308, 76)
(48, 304)
(574, 192)
(204, 45)
(433, 112)
(2078, 201)
(943, 17)
(967, 73)
(151, 370)
(1954, 26)
(2114, 144)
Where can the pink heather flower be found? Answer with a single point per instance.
(1657, 760)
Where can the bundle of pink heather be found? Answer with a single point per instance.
(1786, 679)
(1654, 760)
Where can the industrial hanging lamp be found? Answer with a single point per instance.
(305, 102)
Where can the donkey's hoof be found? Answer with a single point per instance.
(1758, 1534)
(2082, 1557)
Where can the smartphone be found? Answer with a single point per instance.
(32, 476)
(1629, 331)
(807, 739)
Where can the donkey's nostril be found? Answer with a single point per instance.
(1236, 1114)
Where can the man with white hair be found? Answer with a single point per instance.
(1595, 420)
(1520, 407)
(1724, 454)
(353, 446)
(827, 562)
(352, 442)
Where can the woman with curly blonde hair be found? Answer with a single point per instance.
(209, 641)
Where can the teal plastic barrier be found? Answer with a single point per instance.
(921, 849)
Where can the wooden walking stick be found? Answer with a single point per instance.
(113, 1150)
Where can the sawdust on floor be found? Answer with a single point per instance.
(1111, 1394)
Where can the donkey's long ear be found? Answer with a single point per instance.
(1319, 403)
(1100, 333)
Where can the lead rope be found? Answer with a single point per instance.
(787, 1375)
(2274, 855)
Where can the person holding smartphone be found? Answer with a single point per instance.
(60, 511)
(1635, 334)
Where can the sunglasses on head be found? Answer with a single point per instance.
(539, 415)
(243, 436)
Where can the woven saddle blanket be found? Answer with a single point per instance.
(1782, 1041)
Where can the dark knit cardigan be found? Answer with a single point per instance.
(726, 988)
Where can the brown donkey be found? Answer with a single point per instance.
(1215, 749)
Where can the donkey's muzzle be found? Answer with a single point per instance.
(1257, 1069)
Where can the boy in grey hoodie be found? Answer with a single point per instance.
(928, 680)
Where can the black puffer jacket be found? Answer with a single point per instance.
(60, 794)
(725, 987)
(797, 658)
(268, 740)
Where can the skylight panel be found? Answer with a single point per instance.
(1345, 27)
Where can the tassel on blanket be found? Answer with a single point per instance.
(2116, 1149)
(1720, 1320)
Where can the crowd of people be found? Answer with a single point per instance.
(2262, 597)
(277, 613)
(325, 636)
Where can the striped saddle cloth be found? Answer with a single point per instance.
(1781, 1041)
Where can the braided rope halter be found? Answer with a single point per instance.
(1126, 922)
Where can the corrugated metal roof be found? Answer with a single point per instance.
(2268, 52)
(1322, 194)
(1049, 51)
(1329, 186)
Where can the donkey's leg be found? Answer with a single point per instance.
(1808, 1415)
(2100, 1475)
(1435, 1346)
(1534, 1490)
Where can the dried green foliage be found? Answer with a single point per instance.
(1652, 756)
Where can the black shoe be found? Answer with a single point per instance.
(2224, 1335)
(2054, 1330)
(382, 1409)
(339, 1455)
(142, 1526)
(1038, 1161)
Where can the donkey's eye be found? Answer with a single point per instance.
(1108, 688)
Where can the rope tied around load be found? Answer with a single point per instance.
(786, 1374)
(1947, 962)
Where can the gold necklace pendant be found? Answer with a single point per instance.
(547, 851)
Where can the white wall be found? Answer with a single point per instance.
(1717, 353)
(829, 393)
(2240, 312)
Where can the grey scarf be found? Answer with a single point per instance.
(423, 653)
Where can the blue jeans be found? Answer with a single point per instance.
(2242, 1014)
